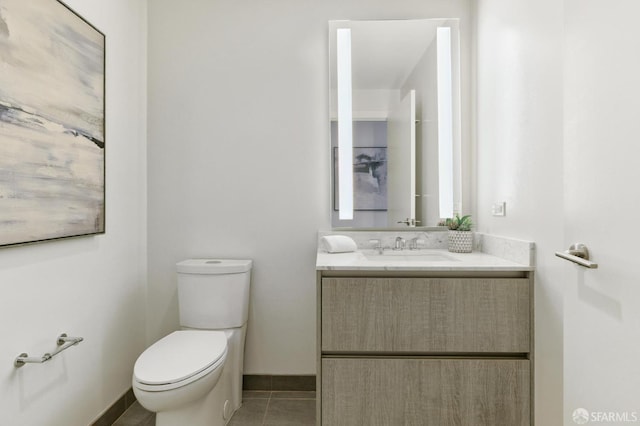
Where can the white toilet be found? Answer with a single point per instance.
(194, 376)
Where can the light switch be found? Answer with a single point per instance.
(499, 209)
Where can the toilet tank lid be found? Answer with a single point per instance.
(214, 266)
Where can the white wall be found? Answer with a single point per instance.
(239, 153)
(92, 287)
(519, 160)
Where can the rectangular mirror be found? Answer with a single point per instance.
(395, 122)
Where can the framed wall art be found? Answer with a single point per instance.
(369, 178)
(52, 123)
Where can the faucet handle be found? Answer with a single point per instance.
(377, 245)
(414, 243)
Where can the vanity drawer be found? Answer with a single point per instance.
(388, 391)
(425, 315)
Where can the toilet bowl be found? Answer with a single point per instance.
(179, 369)
(193, 376)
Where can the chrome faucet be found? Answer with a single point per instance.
(399, 244)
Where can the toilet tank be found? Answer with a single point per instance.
(213, 293)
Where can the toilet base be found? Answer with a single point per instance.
(216, 407)
(208, 411)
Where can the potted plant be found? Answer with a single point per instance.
(460, 235)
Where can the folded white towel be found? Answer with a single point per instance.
(338, 244)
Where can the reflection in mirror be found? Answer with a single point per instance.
(395, 122)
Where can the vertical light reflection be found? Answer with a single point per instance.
(345, 126)
(445, 123)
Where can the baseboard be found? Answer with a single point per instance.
(116, 409)
(278, 382)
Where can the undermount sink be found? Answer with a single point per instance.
(408, 255)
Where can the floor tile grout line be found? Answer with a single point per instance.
(264, 417)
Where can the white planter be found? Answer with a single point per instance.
(460, 241)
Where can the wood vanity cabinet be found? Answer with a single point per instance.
(411, 349)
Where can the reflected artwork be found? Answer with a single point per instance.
(369, 178)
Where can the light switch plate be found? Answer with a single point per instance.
(499, 209)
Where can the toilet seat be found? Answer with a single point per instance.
(180, 358)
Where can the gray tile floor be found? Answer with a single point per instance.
(259, 408)
(136, 416)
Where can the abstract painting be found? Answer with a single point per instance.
(369, 178)
(52, 125)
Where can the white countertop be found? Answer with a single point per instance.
(439, 260)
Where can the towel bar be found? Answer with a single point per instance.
(63, 341)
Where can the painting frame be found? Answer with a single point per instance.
(367, 196)
(52, 123)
